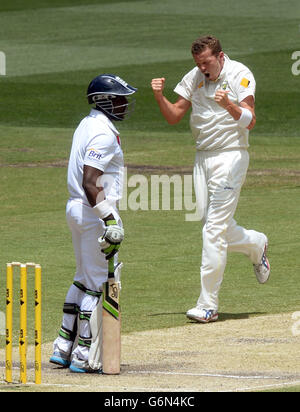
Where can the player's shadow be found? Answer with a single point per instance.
(228, 316)
(222, 316)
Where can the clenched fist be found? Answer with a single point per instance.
(221, 97)
(158, 85)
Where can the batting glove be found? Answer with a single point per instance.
(112, 238)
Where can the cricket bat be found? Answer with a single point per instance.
(111, 318)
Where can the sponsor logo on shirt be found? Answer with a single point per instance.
(94, 154)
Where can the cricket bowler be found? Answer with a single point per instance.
(95, 183)
(220, 92)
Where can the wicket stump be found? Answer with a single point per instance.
(23, 321)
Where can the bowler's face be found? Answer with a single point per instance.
(209, 64)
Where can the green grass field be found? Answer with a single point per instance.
(53, 49)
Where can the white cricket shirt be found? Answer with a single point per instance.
(212, 126)
(96, 143)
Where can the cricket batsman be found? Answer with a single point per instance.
(95, 182)
(220, 92)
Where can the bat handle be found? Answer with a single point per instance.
(111, 268)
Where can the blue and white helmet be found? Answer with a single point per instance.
(111, 95)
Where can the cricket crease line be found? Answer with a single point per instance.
(211, 375)
(275, 385)
(125, 388)
(59, 385)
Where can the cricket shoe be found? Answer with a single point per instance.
(202, 315)
(60, 358)
(81, 366)
(262, 269)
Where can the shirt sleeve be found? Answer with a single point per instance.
(245, 85)
(185, 87)
(100, 151)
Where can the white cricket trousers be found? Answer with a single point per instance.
(91, 270)
(86, 228)
(218, 179)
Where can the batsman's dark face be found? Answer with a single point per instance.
(120, 104)
(209, 64)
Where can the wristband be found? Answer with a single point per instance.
(103, 209)
(246, 117)
(111, 222)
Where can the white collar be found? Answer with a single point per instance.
(101, 116)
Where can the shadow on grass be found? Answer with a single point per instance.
(247, 315)
(222, 316)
